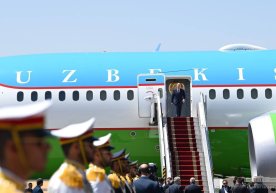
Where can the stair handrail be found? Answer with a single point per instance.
(163, 139)
(202, 116)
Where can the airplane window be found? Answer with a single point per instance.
(160, 90)
(226, 94)
(268, 93)
(212, 94)
(20, 96)
(103, 95)
(130, 95)
(240, 94)
(89, 95)
(254, 93)
(76, 95)
(61, 96)
(48, 95)
(34, 96)
(116, 95)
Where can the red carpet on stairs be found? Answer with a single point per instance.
(184, 152)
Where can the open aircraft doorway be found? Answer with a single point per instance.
(185, 83)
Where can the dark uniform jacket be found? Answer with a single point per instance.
(260, 188)
(228, 189)
(239, 188)
(175, 188)
(192, 188)
(37, 189)
(146, 185)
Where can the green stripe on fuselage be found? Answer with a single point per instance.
(273, 119)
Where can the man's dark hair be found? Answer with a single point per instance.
(39, 181)
(240, 180)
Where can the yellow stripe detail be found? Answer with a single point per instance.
(75, 139)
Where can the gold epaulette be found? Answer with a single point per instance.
(129, 179)
(95, 173)
(7, 185)
(115, 180)
(71, 177)
(123, 180)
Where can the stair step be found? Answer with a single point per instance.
(186, 135)
(180, 118)
(186, 157)
(183, 144)
(174, 124)
(182, 127)
(188, 167)
(189, 162)
(189, 172)
(182, 121)
(183, 148)
(182, 132)
(188, 152)
(185, 138)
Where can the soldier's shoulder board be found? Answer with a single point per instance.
(115, 180)
(95, 173)
(71, 177)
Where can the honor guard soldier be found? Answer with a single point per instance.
(101, 159)
(23, 146)
(77, 144)
(117, 167)
(120, 167)
(129, 187)
(133, 172)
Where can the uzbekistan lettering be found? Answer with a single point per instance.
(70, 76)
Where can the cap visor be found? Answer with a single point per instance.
(40, 133)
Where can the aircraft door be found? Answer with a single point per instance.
(186, 84)
(147, 85)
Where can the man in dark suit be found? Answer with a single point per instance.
(29, 189)
(144, 184)
(192, 188)
(39, 183)
(176, 186)
(259, 186)
(239, 187)
(225, 188)
(178, 98)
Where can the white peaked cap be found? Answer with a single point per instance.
(74, 130)
(24, 111)
(102, 140)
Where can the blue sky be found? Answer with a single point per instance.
(56, 26)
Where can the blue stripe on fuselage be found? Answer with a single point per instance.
(91, 69)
